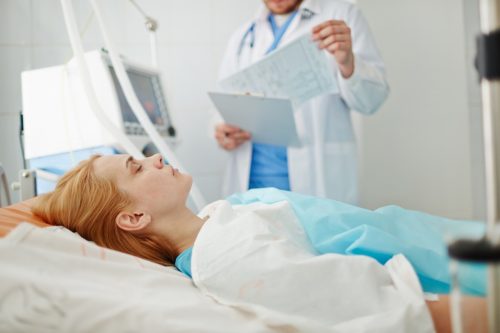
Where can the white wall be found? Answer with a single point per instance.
(14, 53)
(191, 37)
(472, 29)
(417, 150)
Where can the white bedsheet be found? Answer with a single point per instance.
(51, 280)
(259, 254)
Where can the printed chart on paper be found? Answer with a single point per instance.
(299, 71)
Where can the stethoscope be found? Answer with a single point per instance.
(305, 14)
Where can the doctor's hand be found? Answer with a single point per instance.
(335, 37)
(230, 137)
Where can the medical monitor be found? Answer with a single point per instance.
(147, 86)
(58, 117)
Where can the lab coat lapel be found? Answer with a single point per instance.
(291, 28)
(264, 35)
(300, 20)
(263, 39)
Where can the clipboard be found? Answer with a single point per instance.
(270, 120)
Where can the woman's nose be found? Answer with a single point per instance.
(157, 161)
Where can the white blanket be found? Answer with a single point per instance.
(51, 280)
(258, 256)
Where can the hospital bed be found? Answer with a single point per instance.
(55, 281)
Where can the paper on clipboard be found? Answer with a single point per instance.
(298, 70)
(269, 120)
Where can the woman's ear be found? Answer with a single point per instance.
(132, 221)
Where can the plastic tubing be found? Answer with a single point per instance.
(138, 109)
(76, 45)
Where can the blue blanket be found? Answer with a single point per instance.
(335, 227)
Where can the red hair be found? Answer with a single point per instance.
(88, 204)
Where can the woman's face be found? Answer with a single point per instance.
(151, 185)
(280, 7)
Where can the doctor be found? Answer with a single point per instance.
(325, 165)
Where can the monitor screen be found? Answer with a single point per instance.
(148, 90)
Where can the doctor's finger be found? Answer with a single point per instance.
(241, 135)
(222, 132)
(333, 39)
(220, 136)
(219, 131)
(231, 144)
(239, 142)
(340, 46)
(225, 142)
(226, 128)
(329, 31)
(328, 23)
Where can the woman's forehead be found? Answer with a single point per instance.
(110, 166)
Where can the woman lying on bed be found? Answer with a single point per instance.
(336, 266)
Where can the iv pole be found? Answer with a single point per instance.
(489, 64)
(487, 249)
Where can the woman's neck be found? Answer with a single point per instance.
(180, 229)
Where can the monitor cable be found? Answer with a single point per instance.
(21, 137)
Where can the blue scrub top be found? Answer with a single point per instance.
(269, 167)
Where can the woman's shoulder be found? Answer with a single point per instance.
(209, 209)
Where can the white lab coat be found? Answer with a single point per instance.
(325, 165)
